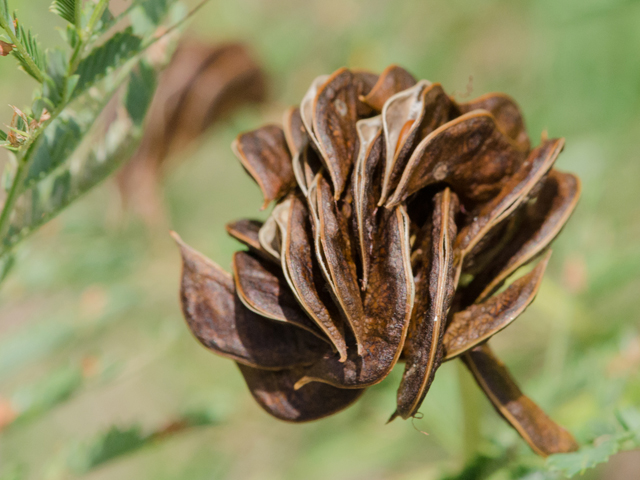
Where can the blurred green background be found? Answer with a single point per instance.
(91, 333)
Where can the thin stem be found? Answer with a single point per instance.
(23, 167)
(95, 16)
(23, 51)
(15, 190)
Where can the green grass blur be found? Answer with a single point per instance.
(91, 334)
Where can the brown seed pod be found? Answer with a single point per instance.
(387, 193)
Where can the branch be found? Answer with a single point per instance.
(21, 48)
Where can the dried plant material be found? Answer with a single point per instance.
(388, 302)
(398, 193)
(270, 234)
(275, 393)
(512, 195)
(306, 165)
(506, 112)
(392, 80)
(433, 277)
(307, 107)
(408, 117)
(334, 238)
(364, 82)
(203, 84)
(469, 153)
(367, 187)
(306, 277)
(265, 155)
(481, 321)
(294, 131)
(262, 287)
(220, 321)
(247, 232)
(544, 436)
(334, 124)
(5, 48)
(540, 223)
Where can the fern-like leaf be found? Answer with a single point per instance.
(118, 441)
(62, 186)
(589, 456)
(33, 49)
(5, 15)
(65, 9)
(105, 58)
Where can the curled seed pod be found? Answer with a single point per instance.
(387, 193)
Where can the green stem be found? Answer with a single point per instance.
(96, 16)
(29, 149)
(469, 397)
(14, 192)
(24, 162)
(23, 51)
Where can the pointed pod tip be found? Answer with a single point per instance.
(393, 416)
(176, 238)
(186, 252)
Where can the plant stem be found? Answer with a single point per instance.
(30, 148)
(469, 397)
(15, 190)
(24, 162)
(23, 51)
(95, 16)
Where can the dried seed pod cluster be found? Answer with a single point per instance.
(400, 213)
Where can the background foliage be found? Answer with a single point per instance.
(95, 361)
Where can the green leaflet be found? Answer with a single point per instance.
(142, 85)
(65, 9)
(45, 394)
(589, 456)
(33, 48)
(46, 198)
(148, 14)
(155, 10)
(5, 15)
(108, 56)
(60, 140)
(107, 446)
(3, 136)
(118, 441)
(53, 87)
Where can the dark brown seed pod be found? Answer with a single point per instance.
(387, 193)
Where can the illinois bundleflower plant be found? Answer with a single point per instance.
(400, 218)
